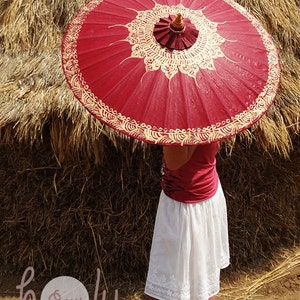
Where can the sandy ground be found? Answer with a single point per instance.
(281, 283)
(285, 287)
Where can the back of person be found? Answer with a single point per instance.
(197, 180)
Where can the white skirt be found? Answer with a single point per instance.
(189, 247)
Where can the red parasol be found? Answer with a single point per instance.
(171, 71)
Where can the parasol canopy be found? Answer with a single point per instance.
(171, 72)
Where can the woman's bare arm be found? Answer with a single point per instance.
(176, 156)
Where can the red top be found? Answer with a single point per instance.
(195, 181)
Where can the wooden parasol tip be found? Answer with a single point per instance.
(177, 24)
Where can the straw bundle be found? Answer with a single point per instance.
(281, 19)
(279, 272)
(251, 286)
(34, 26)
(93, 192)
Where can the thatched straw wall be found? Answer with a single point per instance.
(33, 86)
(76, 196)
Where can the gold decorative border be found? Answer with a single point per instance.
(165, 136)
(201, 55)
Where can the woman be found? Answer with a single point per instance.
(190, 240)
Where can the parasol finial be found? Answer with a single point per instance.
(177, 24)
(175, 32)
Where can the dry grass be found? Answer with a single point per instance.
(254, 286)
(76, 217)
(33, 91)
(75, 195)
(34, 26)
(85, 216)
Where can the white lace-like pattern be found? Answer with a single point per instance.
(189, 247)
(167, 288)
(200, 56)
